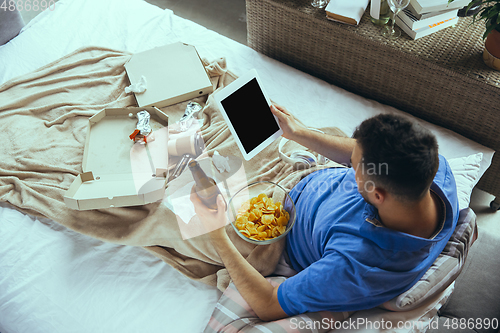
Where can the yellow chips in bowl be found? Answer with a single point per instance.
(261, 219)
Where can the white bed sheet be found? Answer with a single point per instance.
(55, 280)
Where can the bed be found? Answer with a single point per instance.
(53, 279)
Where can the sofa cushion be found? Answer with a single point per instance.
(466, 172)
(11, 24)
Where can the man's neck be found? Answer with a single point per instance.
(419, 219)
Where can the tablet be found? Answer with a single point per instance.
(247, 112)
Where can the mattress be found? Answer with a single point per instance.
(53, 279)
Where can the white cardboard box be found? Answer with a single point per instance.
(174, 73)
(116, 171)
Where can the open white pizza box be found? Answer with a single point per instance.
(117, 171)
(173, 73)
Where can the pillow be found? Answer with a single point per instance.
(233, 314)
(466, 172)
(445, 268)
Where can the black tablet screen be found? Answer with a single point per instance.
(250, 115)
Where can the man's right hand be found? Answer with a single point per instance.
(336, 148)
(290, 125)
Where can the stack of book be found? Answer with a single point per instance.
(424, 17)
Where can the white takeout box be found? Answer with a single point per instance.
(116, 171)
(174, 73)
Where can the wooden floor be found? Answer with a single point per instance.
(227, 17)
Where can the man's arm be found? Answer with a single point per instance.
(253, 287)
(336, 148)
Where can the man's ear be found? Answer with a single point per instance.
(378, 196)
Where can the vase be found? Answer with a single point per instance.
(381, 12)
(491, 53)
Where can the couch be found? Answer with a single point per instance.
(475, 299)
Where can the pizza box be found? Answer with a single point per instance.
(174, 73)
(116, 171)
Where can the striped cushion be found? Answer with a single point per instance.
(445, 268)
(233, 314)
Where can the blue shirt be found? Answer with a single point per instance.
(346, 259)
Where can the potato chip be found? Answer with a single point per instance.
(252, 217)
(282, 220)
(267, 218)
(270, 204)
(261, 228)
(260, 218)
(257, 213)
(242, 219)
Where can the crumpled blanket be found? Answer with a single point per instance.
(43, 125)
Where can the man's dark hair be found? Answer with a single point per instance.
(403, 153)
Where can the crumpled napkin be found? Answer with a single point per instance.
(138, 87)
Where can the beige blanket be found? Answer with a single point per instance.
(43, 121)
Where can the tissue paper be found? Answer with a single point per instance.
(221, 162)
(138, 87)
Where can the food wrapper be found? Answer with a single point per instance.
(143, 128)
(192, 111)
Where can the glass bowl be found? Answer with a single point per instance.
(272, 190)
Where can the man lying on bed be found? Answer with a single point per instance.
(354, 247)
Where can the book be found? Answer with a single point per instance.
(411, 21)
(423, 16)
(427, 30)
(349, 12)
(427, 6)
